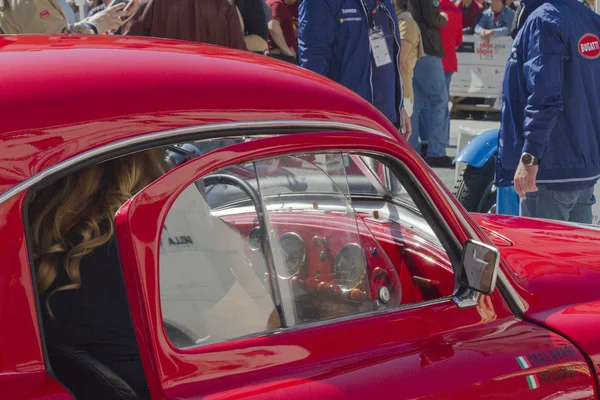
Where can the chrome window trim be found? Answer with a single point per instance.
(188, 131)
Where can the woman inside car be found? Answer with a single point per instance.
(79, 275)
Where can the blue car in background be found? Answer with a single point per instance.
(475, 188)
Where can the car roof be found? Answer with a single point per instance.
(63, 95)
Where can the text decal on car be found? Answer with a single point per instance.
(589, 46)
(534, 381)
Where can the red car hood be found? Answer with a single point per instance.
(555, 268)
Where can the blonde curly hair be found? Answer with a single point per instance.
(73, 216)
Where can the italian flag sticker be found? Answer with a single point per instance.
(533, 382)
(523, 363)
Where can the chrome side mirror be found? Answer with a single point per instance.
(479, 266)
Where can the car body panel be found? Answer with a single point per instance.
(22, 370)
(555, 269)
(413, 352)
(133, 96)
(32, 386)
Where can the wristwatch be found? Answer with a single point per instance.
(529, 159)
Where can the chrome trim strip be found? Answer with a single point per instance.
(30, 182)
(470, 299)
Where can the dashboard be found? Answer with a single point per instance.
(332, 263)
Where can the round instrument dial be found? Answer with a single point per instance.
(350, 267)
(294, 254)
(254, 239)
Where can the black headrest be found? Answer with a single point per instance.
(86, 377)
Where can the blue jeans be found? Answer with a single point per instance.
(572, 206)
(424, 117)
(431, 100)
(448, 76)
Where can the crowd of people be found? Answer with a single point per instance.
(397, 54)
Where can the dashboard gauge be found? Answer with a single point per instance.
(254, 239)
(294, 254)
(350, 267)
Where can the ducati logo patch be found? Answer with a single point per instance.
(44, 14)
(589, 46)
(3, 5)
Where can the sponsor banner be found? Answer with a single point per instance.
(481, 66)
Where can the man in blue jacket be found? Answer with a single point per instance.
(550, 133)
(357, 44)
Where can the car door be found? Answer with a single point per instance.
(225, 311)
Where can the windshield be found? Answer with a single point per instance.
(282, 177)
(366, 176)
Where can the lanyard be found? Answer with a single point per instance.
(372, 12)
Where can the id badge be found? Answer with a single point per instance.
(379, 48)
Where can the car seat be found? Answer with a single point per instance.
(86, 377)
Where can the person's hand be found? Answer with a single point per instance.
(525, 179)
(486, 310)
(131, 8)
(487, 34)
(111, 19)
(406, 125)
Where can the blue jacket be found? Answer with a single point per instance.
(502, 25)
(551, 102)
(333, 40)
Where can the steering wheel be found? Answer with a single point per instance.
(254, 198)
(248, 190)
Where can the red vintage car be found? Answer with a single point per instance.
(294, 248)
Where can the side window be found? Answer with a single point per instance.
(292, 240)
(278, 234)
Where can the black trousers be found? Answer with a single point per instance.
(283, 57)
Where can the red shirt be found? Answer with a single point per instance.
(288, 19)
(451, 34)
